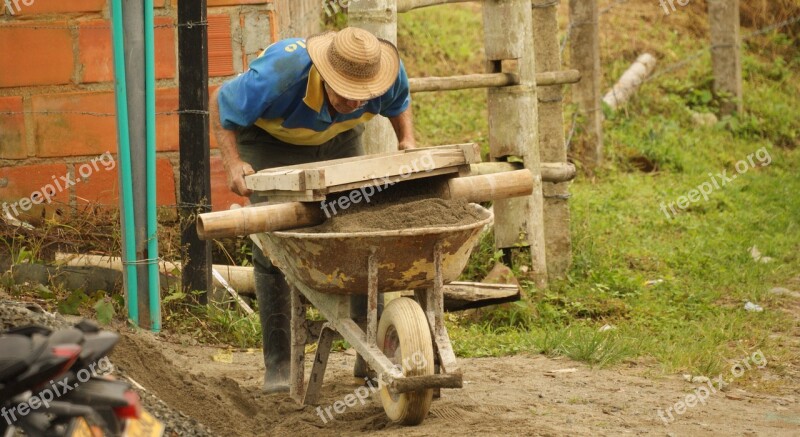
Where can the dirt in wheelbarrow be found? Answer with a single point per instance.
(399, 214)
(511, 396)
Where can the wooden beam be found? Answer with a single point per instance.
(489, 80)
(561, 77)
(551, 171)
(468, 81)
(415, 383)
(407, 5)
(195, 164)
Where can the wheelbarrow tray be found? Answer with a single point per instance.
(335, 263)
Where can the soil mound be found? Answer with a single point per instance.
(396, 216)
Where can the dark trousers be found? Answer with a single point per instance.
(261, 150)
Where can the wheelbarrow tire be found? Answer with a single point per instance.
(405, 338)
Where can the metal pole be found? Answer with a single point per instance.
(133, 22)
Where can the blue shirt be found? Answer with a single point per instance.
(283, 93)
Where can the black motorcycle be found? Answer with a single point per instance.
(57, 383)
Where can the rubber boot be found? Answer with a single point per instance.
(274, 308)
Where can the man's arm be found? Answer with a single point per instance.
(235, 168)
(404, 129)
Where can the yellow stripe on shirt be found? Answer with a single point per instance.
(309, 137)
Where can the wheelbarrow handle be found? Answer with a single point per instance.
(253, 220)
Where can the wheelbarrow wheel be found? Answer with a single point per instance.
(405, 338)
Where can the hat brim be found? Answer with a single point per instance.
(353, 88)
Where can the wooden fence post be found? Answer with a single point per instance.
(195, 167)
(584, 45)
(380, 18)
(552, 144)
(513, 121)
(726, 53)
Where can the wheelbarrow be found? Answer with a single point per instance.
(408, 347)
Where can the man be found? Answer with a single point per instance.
(303, 101)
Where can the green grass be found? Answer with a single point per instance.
(695, 319)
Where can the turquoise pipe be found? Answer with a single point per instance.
(150, 119)
(124, 157)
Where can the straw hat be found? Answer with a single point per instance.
(355, 63)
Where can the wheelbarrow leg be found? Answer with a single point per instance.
(372, 310)
(326, 338)
(432, 302)
(298, 342)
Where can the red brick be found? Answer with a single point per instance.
(86, 124)
(12, 129)
(167, 128)
(220, 46)
(17, 184)
(101, 188)
(35, 56)
(221, 196)
(54, 7)
(96, 55)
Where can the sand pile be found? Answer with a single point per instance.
(399, 215)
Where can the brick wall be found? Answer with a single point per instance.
(57, 94)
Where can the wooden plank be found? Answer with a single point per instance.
(476, 291)
(320, 363)
(459, 296)
(372, 168)
(394, 179)
(323, 174)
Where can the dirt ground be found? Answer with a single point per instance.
(519, 395)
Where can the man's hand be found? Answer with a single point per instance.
(236, 172)
(407, 145)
